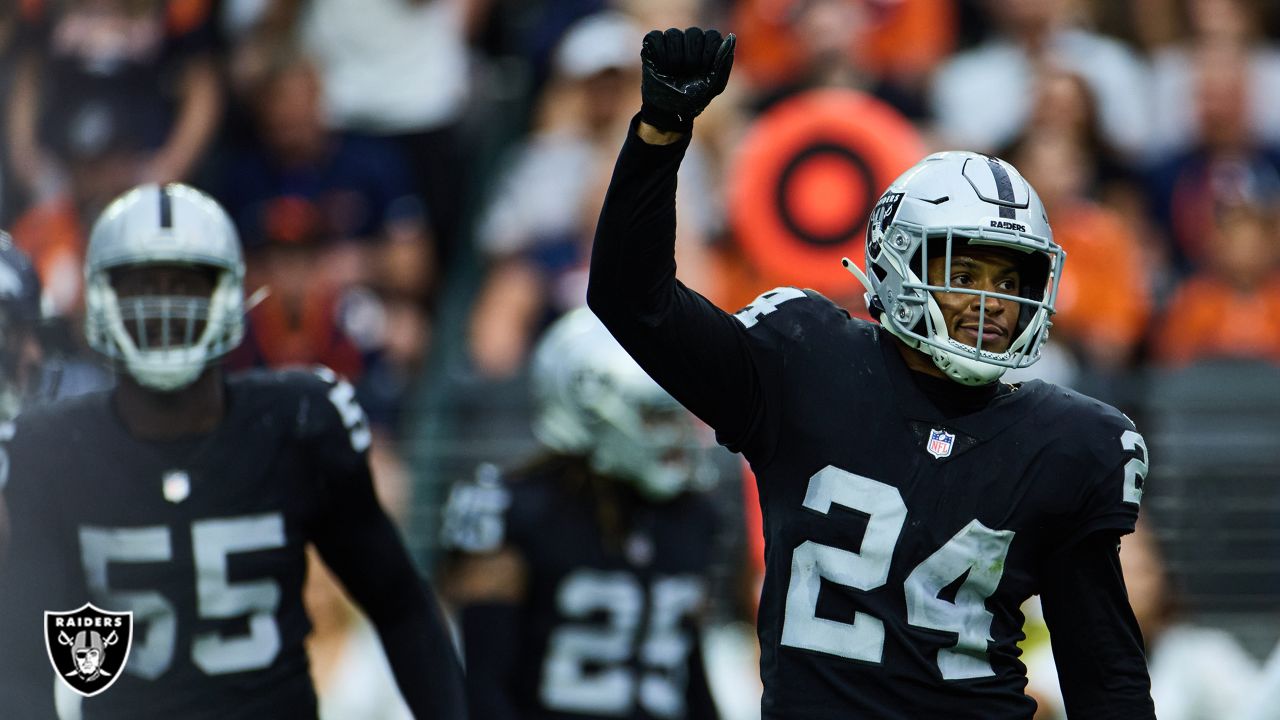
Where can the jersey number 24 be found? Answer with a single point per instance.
(976, 553)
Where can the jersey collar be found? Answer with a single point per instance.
(1002, 408)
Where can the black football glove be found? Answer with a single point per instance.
(683, 70)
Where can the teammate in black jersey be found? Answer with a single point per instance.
(20, 351)
(188, 498)
(581, 578)
(911, 501)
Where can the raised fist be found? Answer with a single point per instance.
(683, 70)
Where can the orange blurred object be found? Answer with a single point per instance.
(906, 37)
(804, 180)
(1209, 318)
(1103, 296)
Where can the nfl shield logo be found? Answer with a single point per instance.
(176, 486)
(88, 647)
(940, 443)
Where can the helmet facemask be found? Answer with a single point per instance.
(165, 340)
(946, 204)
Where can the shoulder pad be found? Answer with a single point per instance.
(1104, 437)
(322, 403)
(1089, 419)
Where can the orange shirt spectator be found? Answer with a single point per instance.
(52, 234)
(1103, 303)
(886, 37)
(1208, 317)
(1103, 299)
(1231, 308)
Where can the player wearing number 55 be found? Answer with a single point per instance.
(911, 500)
(188, 498)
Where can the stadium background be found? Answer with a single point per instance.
(417, 180)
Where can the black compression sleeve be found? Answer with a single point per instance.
(696, 351)
(430, 681)
(364, 550)
(1097, 644)
(489, 631)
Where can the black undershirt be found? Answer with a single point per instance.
(953, 399)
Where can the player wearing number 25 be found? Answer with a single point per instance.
(581, 578)
(188, 497)
(911, 500)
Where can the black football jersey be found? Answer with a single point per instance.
(900, 543)
(905, 522)
(607, 626)
(202, 539)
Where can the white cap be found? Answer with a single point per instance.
(599, 42)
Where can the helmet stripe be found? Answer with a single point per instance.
(1004, 186)
(166, 208)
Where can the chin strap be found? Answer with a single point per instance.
(956, 366)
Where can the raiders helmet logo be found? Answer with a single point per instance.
(88, 647)
(881, 215)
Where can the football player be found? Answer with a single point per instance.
(188, 497)
(580, 579)
(20, 351)
(911, 500)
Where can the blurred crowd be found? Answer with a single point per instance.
(369, 150)
(414, 177)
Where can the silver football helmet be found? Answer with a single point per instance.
(944, 201)
(592, 399)
(174, 337)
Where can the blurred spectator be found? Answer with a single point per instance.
(340, 217)
(1231, 24)
(9, 16)
(536, 231)
(1231, 308)
(531, 30)
(982, 98)
(1197, 673)
(297, 322)
(99, 150)
(1226, 159)
(1064, 105)
(886, 47)
(368, 214)
(21, 354)
(151, 59)
(1103, 296)
(396, 69)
